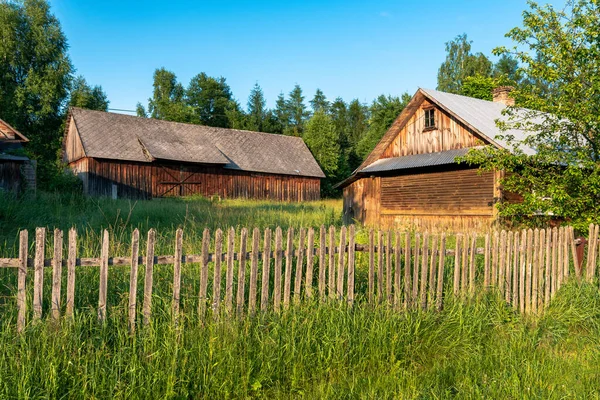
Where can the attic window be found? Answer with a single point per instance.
(430, 119)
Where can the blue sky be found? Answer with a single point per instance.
(351, 49)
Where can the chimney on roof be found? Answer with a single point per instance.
(501, 94)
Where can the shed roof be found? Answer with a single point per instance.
(6, 131)
(124, 137)
(415, 161)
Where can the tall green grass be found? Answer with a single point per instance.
(478, 349)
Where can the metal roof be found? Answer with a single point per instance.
(10, 157)
(125, 137)
(482, 115)
(415, 161)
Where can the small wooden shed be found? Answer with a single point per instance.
(412, 178)
(17, 172)
(120, 155)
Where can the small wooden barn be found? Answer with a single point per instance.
(411, 178)
(119, 155)
(17, 172)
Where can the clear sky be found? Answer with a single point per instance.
(348, 48)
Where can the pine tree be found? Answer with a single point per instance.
(257, 110)
(297, 112)
(319, 102)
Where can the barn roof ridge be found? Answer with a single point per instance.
(130, 138)
(22, 137)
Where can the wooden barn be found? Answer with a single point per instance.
(119, 155)
(411, 178)
(17, 172)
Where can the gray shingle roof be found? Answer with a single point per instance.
(124, 137)
(481, 115)
(415, 161)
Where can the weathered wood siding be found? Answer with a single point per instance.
(413, 138)
(150, 180)
(451, 198)
(72, 146)
(17, 175)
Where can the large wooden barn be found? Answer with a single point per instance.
(17, 172)
(119, 155)
(411, 178)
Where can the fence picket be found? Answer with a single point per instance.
(432, 273)
(322, 257)
(424, 266)
(407, 264)
(57, 273)
(331, 280)
(540, 270)
(440, 274)
(590, 251)
(576, 265)
(397, 271)
(264, 294)
(534, 270)
(177, 274)
(133, 276)
(416, 268)
(472, 265)
(566, 234)
(371, 266)
(216, 305)
(254, 271)
(457, 264)
(464, 266)
(559, 271)
(515, 272)
(148, 276)
(341, 267)
(21, 280)
(203, 290)
(241, 287)
(351, 261)
(494, 268)
(103, 289)
(71, 263)
(486, 262)
(380, 261)
(277, 273)
(289, 253)
(299, 266)
(507, 267)
(388, 268)
(38, 275)
(522, 270)
(229, 274)
(310, 260)
(528, 274)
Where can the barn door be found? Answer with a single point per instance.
(176, 181)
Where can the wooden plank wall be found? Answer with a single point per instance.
(413, 138)
(141, 180)
(11, 177)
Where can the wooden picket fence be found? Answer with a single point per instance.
(404, 269)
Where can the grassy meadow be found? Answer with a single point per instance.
(478, 348)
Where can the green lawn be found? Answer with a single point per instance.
(477, 349)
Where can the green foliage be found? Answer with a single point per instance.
(140, 111)
(35, 74)
(479, 87)
(384, 110)
(210, 100)
(168, 100)
(559, 55)
(257, 110)
(322, 140)
(297, 112)
(460, 63)
(319, 102)
(85, 96)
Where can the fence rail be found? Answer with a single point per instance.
(403, 269)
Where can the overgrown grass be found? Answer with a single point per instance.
(478, 349)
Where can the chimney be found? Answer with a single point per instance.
(501, 94)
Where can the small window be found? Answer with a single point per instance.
(430, 119)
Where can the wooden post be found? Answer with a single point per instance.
(341, 266)
(397, 274)
(380, 255)
(464, 270)
(310, 260)
(566, 233)
(299, 265)
(424, 265)
(388, 268)
(103, 291)
(528, 272)
(590, 253)
(457, 265)
(516, 268)
(254, 271)
(407, 264)
(507, 268)
(331, 249)
(432, 273)
(277, 277)
(147, 306)
(241, 288)
(416, 266)
(559, 272)
(229, 273)
(547, 270)
(133, 276)
(486, 262)
(371, 266)
(264, 293)
(351, 257)
(494, 269)
(472, 264)
(523, 268)
(540, 271)
(289, 253)
(57, 273)
(177, 274)
(534, 270)
(21, 280)
(502, 262)
(574, 254)
(216, 304)
(440, 274)
(322, 257)
(203, 291)
(38, 277)
(71, 263)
